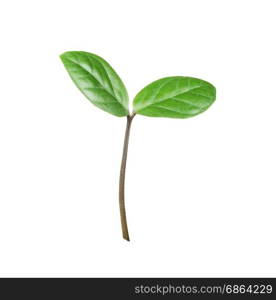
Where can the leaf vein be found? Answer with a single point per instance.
(87, 72)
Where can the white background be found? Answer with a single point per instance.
(200, 193)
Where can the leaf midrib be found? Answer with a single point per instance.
(100, 85)
(171, 97)
(106, 73)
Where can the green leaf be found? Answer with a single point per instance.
(97, 81)
(175, 97)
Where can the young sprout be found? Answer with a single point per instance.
(170, 97)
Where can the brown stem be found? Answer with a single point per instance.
(122, 180)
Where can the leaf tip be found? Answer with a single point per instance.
(62, 55)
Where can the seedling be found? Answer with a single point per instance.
(170, 97)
